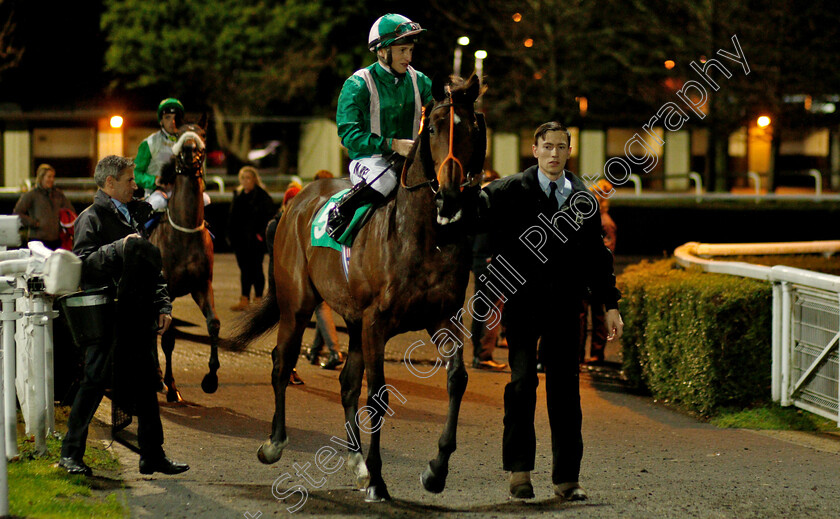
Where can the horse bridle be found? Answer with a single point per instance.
(198, 155)
(196, 168)
(433, 179)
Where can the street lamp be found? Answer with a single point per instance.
(116, 121)
(463, 41)
(763, 121)
(479, 63)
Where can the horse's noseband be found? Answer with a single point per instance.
(193, 165)
(434, 179)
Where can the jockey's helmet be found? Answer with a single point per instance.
(392, 29)
(170, 105)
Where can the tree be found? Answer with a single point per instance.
(236, 55)
(547, 53)
(10, 53)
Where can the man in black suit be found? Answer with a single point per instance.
(549, 255)
(109, 240)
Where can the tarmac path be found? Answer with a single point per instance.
(641, 458)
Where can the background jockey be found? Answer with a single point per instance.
(156, 150)
(378, 114)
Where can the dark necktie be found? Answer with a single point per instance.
(553, 206)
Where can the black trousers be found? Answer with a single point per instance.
(249, 257)
(96, 372)
(484, 339)
(559, 326)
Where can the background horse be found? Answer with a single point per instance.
(409, 271)
(187, 248)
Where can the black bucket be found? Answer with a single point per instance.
(90, 316)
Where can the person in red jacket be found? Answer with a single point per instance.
(40, 208)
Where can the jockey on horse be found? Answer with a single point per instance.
(378, 116)
(156, 151)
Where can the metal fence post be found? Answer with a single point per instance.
(787, 312)
(39, 420)
(776, 361)
(8, 317)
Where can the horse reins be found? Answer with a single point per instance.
(449, 157)
(182, 229)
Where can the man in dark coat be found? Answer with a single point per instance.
(549, 253)
(115, 254)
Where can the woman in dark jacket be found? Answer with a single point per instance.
(250, 211)
(39, 209)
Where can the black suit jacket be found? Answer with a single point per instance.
(98, 242)
(560, 265)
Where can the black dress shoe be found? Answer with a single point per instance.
(163, 465)
(333, 361)
(312, 356)
(74, 467)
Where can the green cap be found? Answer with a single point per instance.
(392, 29)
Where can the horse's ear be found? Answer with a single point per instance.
(438, 87)
(202, 121)
(472, 89)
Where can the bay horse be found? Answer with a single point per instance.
(409, 271)
(187, 247)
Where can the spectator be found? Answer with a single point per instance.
(270, 230)
(114, 254)
(598, 344)
(250, 211)
(325, 333)
(483, 338)
(39, 209)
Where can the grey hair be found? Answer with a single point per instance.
(110, 166)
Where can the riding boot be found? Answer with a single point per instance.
(342, 214)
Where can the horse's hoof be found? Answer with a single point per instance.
(377, 493)
(434, 483)
(173, 396)
(210, 383)
(356, 464)
(270, 452)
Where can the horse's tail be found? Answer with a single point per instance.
(255, 322)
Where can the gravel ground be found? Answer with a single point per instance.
(641, 458)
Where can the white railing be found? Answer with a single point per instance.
(806, 321)
(28, 275)
(637, 183)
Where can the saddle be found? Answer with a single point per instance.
(319, 235)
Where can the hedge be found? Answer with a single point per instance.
(701, 341)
